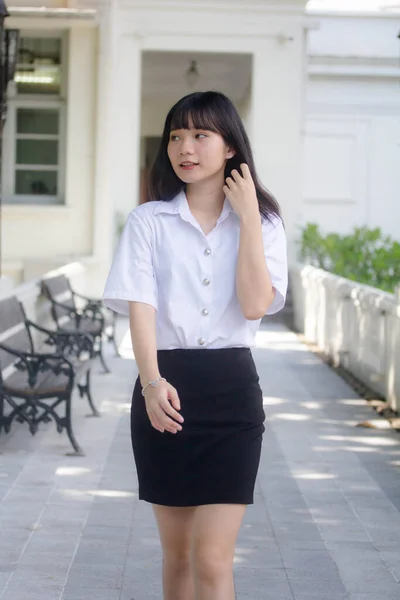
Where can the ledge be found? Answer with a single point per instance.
(52, 13)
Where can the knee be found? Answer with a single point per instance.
(177, 560)
(211, 564)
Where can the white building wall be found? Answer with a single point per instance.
(351, 172)
(244, 109)
(339, 166)
(36, 236)
(272, 36)
(81, 135)
(154, 112)
(355, 35)
(153, 117)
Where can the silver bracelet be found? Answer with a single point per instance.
(152, 383)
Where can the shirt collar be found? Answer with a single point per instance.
(169, 207)
(179, 205)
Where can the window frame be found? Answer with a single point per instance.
(42, 102)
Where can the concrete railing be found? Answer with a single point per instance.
(356, 325)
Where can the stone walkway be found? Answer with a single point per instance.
(325, 525)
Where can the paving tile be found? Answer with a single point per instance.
(92, 594)
(388, 595)
(32, 591)
(255, 583)
(325, 523)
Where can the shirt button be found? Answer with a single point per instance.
(207, 251)
(201, 341)
(205, 312)
(206, 281)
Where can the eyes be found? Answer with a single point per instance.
(174, 137)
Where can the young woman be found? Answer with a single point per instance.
(196, 268)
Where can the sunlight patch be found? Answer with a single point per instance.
(100, 493)
(271, 401)
(112, 407)
(345, 448)
(313, 476)
(369, 441)
(72, 470)
(353, 402)
(112, 494)
(291, 417)
(311, 405)
(278, 340)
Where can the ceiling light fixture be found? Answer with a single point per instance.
(192, 74)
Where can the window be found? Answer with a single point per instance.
(39, 66)
(35, 169)
(37, 152)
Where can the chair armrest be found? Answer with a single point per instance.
(92, 312)
(22, 356)
(73, 312)
(67, 342)
(33, 363)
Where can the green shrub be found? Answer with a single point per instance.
(366, 255)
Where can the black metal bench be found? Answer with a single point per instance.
(92, 317)
(34, 384)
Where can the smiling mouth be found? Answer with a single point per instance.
(186, 165)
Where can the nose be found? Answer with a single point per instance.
(186, 146)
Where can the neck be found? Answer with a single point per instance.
(205, 197)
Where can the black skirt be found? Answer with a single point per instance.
(215, 458)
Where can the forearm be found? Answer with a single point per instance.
(142, 318)
(253, 282)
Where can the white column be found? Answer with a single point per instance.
(75, 230)
(126, 117)
(103, 229)
(277, 121)
(118, 138)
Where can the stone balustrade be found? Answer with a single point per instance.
(356, 325)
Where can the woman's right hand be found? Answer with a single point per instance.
(162, 403)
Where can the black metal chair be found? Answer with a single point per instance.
(92, 317)
(34, 384)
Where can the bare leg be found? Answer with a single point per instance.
(175, 526)
(215, 529)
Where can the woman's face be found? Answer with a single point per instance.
(197, 154)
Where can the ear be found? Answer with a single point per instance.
(230, 153)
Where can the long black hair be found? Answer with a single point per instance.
(210, 111)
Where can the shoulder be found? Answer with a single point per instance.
(149, 210)
(142, 216)
(145, 211)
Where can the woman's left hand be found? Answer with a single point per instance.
(241, 192)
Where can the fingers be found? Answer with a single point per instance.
(161, 422)
(245, 171)
(229, 182)
(174, 398)
(235, 175)
(162, 410)
(164, 421)
(169, 410)
(238, 177)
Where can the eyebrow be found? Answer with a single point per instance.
(189, 129)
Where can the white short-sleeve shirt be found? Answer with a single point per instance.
(164, 259)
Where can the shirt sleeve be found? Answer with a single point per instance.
(131, 277)
(275, 251)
